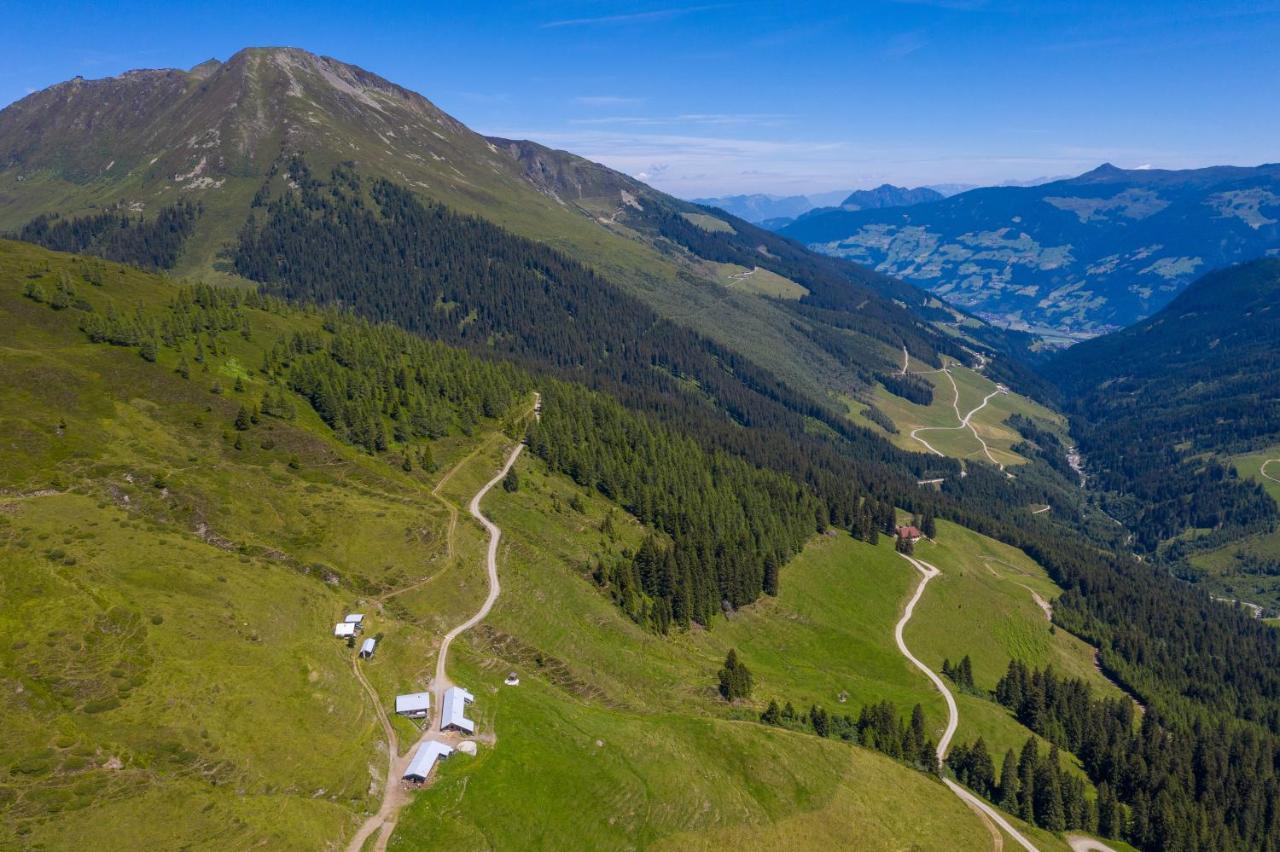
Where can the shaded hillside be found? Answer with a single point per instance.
(841, 298)
(1158, 406)
(1070, 258)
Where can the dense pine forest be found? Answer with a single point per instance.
(733, 526)
(1217, 788)
(118, 235)
(1157, 406)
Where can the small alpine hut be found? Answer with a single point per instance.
(425, 760)
(356, 620)
(415, 705)
(909, 533)
(367, 648)
(344, 630)
(455, 718)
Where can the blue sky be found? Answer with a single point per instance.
(715, 98)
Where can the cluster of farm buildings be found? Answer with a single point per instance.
(417, 705)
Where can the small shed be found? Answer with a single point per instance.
(356, 619)
(415, 705)
(367, 647)
(425, 760)
(344, 629)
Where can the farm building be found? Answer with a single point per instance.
(367, 647)
(455, 718)
(415, 705)
(344, 629)
(911, 534)
(423, 762)
(355, 619)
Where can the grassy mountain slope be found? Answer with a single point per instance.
(644, 717)
(1071, 258)
(170, 597)
(172, 583)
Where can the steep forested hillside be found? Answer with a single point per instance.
(1158, 407)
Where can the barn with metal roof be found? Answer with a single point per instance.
(454, 717)
(414, 704)
(425, 759)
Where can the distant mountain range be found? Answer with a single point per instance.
(888, 195)
(1070, 258)
(759, 208)
(776, 211)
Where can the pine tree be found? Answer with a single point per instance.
(242, 419)
(981, 769)
(772, 715)
(1109, 814)
(735, 679)
(1009, 783)
(1027, 762)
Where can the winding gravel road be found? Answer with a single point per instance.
(965, 420)
(928, 572)
(394, 797)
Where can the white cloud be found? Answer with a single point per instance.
(763, 119)
(607, 101)
(689, 163)
(631, 18)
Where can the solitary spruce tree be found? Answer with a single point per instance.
(735, 679)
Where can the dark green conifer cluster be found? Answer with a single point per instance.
(118, 235)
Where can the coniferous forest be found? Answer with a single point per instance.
(118, 235)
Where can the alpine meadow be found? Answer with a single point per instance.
(669, 451)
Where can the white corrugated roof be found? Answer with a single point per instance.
(354, 618)
(413, 702)
(344, 629)
(368, 645)
(422, 763)
(455, 709)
